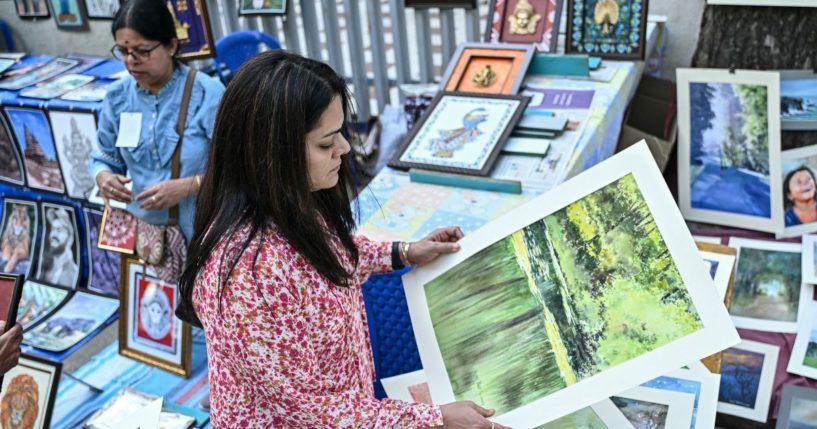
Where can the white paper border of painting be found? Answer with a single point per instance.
(722, 274)
(36, 226)
(764, 390)
(60, 149)
(809, 268)
(717, 334)
(681, 405)
(707, 395)
(797, 75)
(4, 122)
(172, 358)
(77, 247)
(801, 342)
(792, 3)
(805, 289)
(707, 239)
(796, 230)
(772, 81)
(787, 395)
(53, 371)
(529, 49)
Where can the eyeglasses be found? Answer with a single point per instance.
(138, 54)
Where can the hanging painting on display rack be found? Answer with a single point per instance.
(104, 265)
(729, 148)
(11, 160)
(487, 68)
(31, 8)
(798, 100)
(58, 263)
(747, 380)
(29, 391)
(148, 329)
(38, 73)
(70, 15)
(526, 22)
(34, 137)
(646, 305)
(73, 322)
(262, 7)
(101, 9)
(75, 136)
(17, 235)
(614, 29)
(460, 133)
(38, 301)
(192, 29)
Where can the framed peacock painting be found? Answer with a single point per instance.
(612, 29)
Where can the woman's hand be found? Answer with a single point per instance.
(439, 242)
(468, 415)
(165, 195)
(112, 186)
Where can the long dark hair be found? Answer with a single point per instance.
(258, 168)
(787, 203)
(150, 18)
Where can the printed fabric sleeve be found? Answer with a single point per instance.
(105, 156)
(277, 359)
(374, 257)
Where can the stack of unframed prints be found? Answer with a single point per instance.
(576, 297)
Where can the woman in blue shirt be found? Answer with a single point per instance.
(146, 106)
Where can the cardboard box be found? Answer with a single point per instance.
(652, 116)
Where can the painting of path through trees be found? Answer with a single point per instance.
(729, 148)
(586, 288)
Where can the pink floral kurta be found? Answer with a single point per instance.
(288, 349)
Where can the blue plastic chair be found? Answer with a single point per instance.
(234, 49)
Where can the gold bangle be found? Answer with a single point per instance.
(198, 181)
(404, 249)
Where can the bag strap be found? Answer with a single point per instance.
(177, 154)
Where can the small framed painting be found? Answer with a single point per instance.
(798, 99)
(17, 234)
(104, 266)
(59, 260)
(102, 9)
(488, 68)
(729, 148)
(149, 330)
(768, 293)
(11, 289)
(74, 135)
(747, 379)
(803, 360)
(525, 21)
(720, 264)
(83, 314)
(33, 134)
(461, 133)
(798, 407)
(262, 7)
(117, 231)
(11, 159)
(798, 208)
(29, 391)
(31, 9)
(192, 29)
(70, 15)
(610, 29)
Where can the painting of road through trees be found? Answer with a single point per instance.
(571, 295)
(729, 148)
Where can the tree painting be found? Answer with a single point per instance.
(585, 418)
(729, 148)
(573, 294)
(767, 285)
(740, 377)
(642, 414)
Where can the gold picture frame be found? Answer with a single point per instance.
(167, 347)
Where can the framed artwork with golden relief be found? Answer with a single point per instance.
(612, 29)
(192, 29)
(488, 68)
(525, 21)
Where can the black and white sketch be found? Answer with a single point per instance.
(59, 250)
(74, 136)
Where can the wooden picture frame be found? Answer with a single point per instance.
(454, 119)
(488, 68)
(192, 29)
(165, 347)
(585, 35)
(266, 7)
(32, 9)
(546, 18)
(33, 377)
(72, 19)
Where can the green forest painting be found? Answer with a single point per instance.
(767, 285)
(573, 294)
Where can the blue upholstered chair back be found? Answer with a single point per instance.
(236, 48)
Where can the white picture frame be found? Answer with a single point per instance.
(802, 164)
(714, 333)
(701, 204)
(809, 263)
(707, 239)
(805, 341)
(74, 135)
(741, 316)
(680, 405)
(760, 409)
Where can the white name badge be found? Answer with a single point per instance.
(130, 127)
